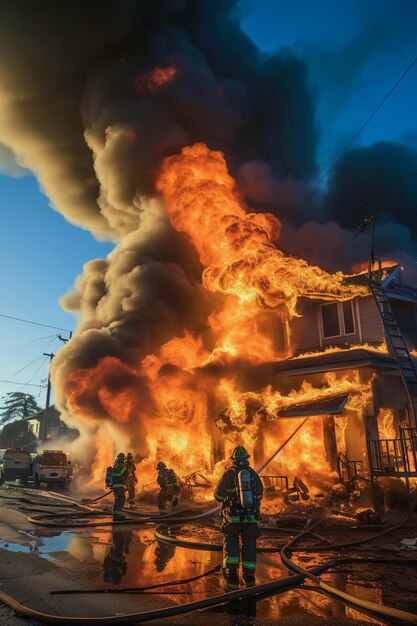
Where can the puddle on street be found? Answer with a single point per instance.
(44, 546)
(134, 558)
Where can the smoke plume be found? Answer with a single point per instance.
(93, 97)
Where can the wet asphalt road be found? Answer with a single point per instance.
(78, 559)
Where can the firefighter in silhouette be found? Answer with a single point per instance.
(164, 552)
(169, 487)
(115, 564)
(131, 479)
(119, 478)
(240, 491)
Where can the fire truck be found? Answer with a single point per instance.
(16, 464)
(52, 467)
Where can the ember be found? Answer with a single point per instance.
(153, 81)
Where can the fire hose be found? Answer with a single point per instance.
(171, 583)
(258, 590)
(276, 586)
(360, 603)
(40, 519)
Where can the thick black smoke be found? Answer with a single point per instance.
(78, 107)
(73, 111)
(376, 180)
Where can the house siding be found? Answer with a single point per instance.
(372, 329)
(305, 329)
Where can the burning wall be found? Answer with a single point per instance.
(121, 101)
(163, 393)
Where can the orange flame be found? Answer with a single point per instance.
(154, 80)
(249, 274)
(237, 248)
(104, 455)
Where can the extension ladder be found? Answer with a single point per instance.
(397, 344)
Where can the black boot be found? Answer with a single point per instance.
(231, 577)
(249, 578)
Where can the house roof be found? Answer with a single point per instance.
(326, 406)
(344, 359)
(52, 413)
(393, 289)
(401, 292)
(389, 273)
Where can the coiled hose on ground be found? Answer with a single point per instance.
(359, 603)
(273, 587)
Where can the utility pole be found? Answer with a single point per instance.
(48, 398)
(63, 339)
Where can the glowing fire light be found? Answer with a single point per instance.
(154, 80)
(170, 398)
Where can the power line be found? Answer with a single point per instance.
(25, 343)
(25, 366)
(33, 376)
(359, 132)
(13, 382)
(367, 219)
(23, 385)
(19, 319)
(37, 358)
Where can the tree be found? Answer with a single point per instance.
(16, 435)
(17, 405)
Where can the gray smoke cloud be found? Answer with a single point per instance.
(79, 108)
(73, 111)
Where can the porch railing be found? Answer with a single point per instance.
(275, 483)
(348, 469)
(394, 457)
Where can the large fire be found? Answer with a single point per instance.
(194, 378)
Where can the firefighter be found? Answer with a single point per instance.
(115, 563)
(119, 478)
(131, 479)
(240, 493)
(169, 487)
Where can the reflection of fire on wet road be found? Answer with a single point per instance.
(134, 558)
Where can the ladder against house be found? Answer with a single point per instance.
(394, 457)
(397, 345)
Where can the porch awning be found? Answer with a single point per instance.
(327, 406)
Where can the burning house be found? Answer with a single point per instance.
(168, 132)
(243, 376)
(351, 362)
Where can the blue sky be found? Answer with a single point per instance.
(355, 50)
(41, 254)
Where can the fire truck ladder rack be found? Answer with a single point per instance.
(396, 342)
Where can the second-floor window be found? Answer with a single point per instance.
(337, 319)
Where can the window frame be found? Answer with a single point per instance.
(341, 320)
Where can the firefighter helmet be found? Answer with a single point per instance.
(121, 457)
(161, 465)
(239, 454)
(129, 455)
